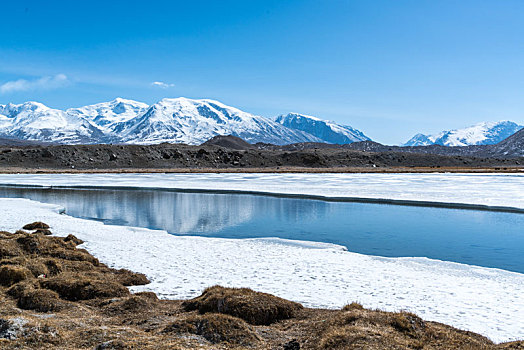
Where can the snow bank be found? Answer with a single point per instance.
(483, 300)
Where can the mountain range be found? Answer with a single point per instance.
(177, 120)
(191, 121)
(486, 133)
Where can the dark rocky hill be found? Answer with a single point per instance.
(512, 147)
(229, 141)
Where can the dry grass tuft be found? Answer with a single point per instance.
(130, 278)
(341, 338)
(133, 304)
(352, 306)
(9, 248)
(41, 300)
(17, 290)
(408, 323)
(36, 225)
(71, 286)
(74, 255)
(71, 238)
(43, 231)
(216, 328)
(10, 275)
(37, 268)
(253, 307)
(514, 345)
(367, 329)
(54, 266)
(148, 295)
(30, 243)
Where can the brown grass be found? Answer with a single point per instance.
(253, 307)
(30, 243)
(216, 328)
(36, 225)
(361, 328)
(42, 231)
(54, 266)
(10, 275)
(72, 238)
(72, 286)
(130, 278)
(352, 306)
(37, 268)
(41, 300)
(134, 304)
(17, 290)
(74, 255)
(9, 248)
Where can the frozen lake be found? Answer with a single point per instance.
(474, 237)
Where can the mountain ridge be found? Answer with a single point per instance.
(326, 130)
(483, 133)
(178, 120)
(194, 121)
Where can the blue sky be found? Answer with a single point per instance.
(389, 68)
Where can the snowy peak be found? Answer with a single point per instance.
(196, 121)
(37, 122)
(11, 110)
(420, 140)
(107, 115)
(485, 133)
(176, 120)
(325, 130)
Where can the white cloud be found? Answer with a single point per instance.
(44, 83)
(161, 84)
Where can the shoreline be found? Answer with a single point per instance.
(264, 170)
(74, 300)
(123, 247)
(402, 202)
(478, 191)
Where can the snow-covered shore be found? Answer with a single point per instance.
(483, 300)
(494, 190)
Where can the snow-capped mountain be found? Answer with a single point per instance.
(184, 120)
(179, 120)
(325, 130)
(34, 121)
(108, 115)
(486, 133)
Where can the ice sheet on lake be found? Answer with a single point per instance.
(484, 300)
(506, 190)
